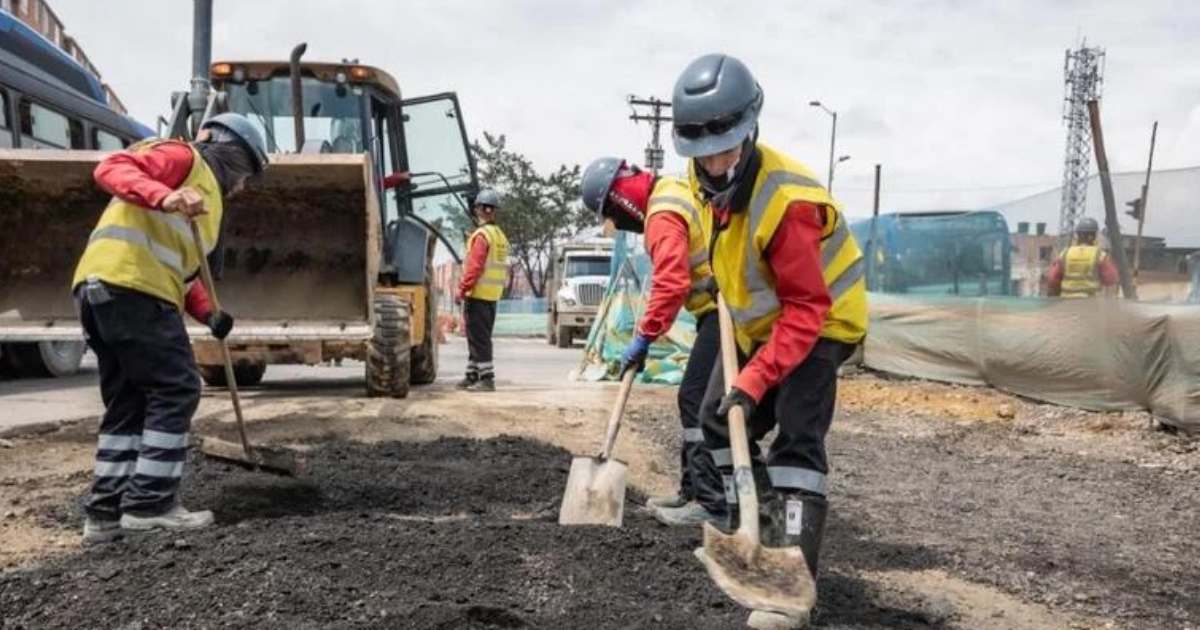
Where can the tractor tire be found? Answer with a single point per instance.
(245, 375)
(44, 359)
(425, 356)
(389, 351)
(563, 336)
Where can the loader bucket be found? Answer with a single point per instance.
(301, 243)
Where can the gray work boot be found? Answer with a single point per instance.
(690, 514)
(98, 532)
(666, 501)
(483, 385)
(764, 620)
(175, 519)
(467, 382)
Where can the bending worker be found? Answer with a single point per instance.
(664, 207)
(137, 273)
(485, 273)
(1084, 270)
(792, 275)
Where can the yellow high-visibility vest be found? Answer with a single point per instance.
(742, 272)
(149, 250)
(1081, 271)
(672, 194)
(490, 285)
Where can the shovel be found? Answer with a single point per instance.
(272, 458)
(757, 577)
(595, 493)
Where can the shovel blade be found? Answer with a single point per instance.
(759, 578)
(595, 493)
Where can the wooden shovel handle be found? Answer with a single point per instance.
(230, 382)
(739, 441)
(614, 419)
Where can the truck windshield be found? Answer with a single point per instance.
(587, 266)
(332, 113)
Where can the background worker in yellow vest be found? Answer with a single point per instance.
(135, 276)
(485, 274)
(663, 207)
(1083, 270)
(792, 274)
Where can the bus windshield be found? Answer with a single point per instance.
(332, 113)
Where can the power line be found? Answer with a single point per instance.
(654, 150)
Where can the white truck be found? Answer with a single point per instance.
(578, 281)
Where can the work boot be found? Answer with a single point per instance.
(691, 514)
(98, 532)
(767, 620)
(177, 518)
(795, 519)
(666, 501)
(483, 385)
(467, 382)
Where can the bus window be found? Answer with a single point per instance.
(46, 128)
(5, 127)
(105, 141)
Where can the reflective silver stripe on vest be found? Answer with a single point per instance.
(497, 266)
(114, 442)
(160, 439)
(114, 469)
(763, 300)
(177, 224)
(153, 468)
(490, 282)
(697, 259)
(163, 254)
(694, 434)
(797, 479)
(722, 457)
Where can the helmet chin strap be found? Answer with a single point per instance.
(721, 190)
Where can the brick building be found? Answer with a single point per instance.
(38, 15)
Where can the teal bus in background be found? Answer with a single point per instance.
(965, 253)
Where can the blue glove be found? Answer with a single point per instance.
(635, 354)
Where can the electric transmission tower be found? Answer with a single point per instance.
(1083, 72)
(654, 150)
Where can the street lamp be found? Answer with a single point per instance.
(839, 161)
(832, 142)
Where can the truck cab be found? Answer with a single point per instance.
(579, 280)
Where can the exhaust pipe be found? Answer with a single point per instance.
(201, 59)
(297, 93)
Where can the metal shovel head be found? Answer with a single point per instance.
(595, 493)
(773, 579)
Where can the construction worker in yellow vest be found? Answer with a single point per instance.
(136, 276)
(665, 210)
(792, 275)
(1083, 270)
(485, 274)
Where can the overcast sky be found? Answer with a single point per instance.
(960, 101)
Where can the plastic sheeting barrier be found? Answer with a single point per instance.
(1102, 355)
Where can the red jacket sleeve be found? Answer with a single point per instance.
(197, 304)
(1054, 277)
(794, 256)
(473, 267)
(145, 178)
(1108, 272)
(667, 243)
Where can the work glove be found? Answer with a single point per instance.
(719, 424)
(220, 323)
(635, 354)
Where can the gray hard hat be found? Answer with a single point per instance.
(487, 197)
(715, 106)
(245, 132)
(1087, 225)
(597, 180)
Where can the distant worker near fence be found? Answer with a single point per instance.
(1083, 270)
(664, 208)
(136, 276)
(485, 274)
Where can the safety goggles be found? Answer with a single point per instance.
(719, 126)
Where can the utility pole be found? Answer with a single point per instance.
(872, 240)
(1116, 247)
(1083, 72)
(655, 106)
(1138, 206)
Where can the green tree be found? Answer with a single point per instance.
(539, 209)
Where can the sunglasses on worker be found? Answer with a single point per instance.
(691, 131)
